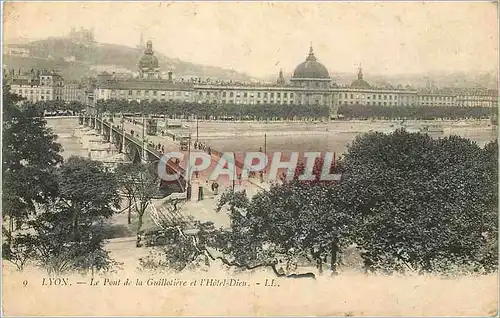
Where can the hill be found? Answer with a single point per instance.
(75, 58)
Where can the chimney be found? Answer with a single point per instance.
(170, 76)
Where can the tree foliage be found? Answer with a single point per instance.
(215, 111)
(425, 204)
(58, 207)
(66, 232)
(409, 202)
(30, 154)
(405, 200)
(140, 183)
(88, 190)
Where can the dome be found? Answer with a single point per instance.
(148, 60)
(360, 82)
(311, 68)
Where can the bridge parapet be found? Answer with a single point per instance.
(143, 146)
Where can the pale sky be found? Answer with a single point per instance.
(258, 38)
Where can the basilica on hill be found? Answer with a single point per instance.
(310, 84)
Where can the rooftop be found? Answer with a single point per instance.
(154, 84)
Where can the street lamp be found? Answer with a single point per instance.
(197, 129)
(188, 168)
(265, 150)
(143, 130)
(234, 173)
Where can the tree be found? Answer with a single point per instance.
(239, 111)
(50, 243)
(66, 232)
(30, 155)
(425, 204)
(76, 107)
(140, 183)
(294, 220)
(88, 190)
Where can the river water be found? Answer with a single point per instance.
(284, 137)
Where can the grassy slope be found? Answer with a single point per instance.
(104, 54)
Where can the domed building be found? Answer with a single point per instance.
(311, 68)
(360, 82)
(310, 84)
(314, 77)
(148, 64)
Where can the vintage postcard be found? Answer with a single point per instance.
(250, 158)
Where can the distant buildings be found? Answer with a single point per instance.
(148, 86)
(361, 92)
(309, 84)
(82, 36)
(42, 85)
(15, 50)
(73, 92)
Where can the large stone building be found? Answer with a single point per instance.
(73, 93)
(362, 93)
(148, 86)
(309, 84)
(37, 85)
(42, 85)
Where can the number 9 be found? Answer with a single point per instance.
(25, 283)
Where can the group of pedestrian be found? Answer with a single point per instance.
(215, 187)
(201, 146)
(160, 147)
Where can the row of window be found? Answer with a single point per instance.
(436, 104)
(234, 100)
(477, 103)
(374, 96)
(291, 95)
(36, 91)
(149, 93)
(480, 104)
(247, 94)
(444, 98)
(214, 101)
(314, 84)
(485, 98)
(290, 102)
(40, 97)
(372, 103)
(162, 99)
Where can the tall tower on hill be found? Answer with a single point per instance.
(141, 45)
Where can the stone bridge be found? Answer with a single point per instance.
(134, 147)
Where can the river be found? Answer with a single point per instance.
(285, 137)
